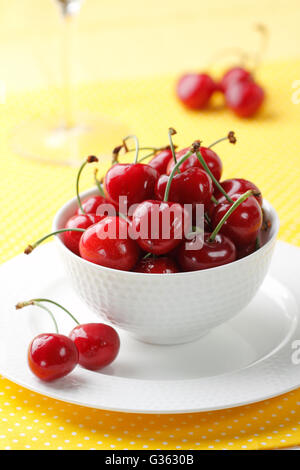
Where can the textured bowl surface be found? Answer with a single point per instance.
(167, 309)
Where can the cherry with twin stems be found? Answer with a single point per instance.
(194, 90)
(212, 160)
(217, 249)
(92, 345)
(192, 186)
(135, 181)
(50, 355)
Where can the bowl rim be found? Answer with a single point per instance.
(94, 191)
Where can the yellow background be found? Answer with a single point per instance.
(142, 48)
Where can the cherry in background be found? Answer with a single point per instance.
(234, 74)
(194, 90)
(244, 98)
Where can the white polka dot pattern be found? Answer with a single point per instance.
(267, 152)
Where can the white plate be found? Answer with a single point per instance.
(244, 361)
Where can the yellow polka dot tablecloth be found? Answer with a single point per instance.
(267, 152)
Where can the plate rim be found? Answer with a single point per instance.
(38, 388)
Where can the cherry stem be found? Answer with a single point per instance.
(35, 302)
(185, 157)
(171, 132)
(230, 136)
(98, 183)
(57, 305)
(30, 248)
(230, 51)
(257, 244)
(148, 155)
(264, 38)
(89, 159)
(214, 200)
(154, 149)
(216, 182)
(137, 146)
(236, 204)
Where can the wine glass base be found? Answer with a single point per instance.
(47, 141)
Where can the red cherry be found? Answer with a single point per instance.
(136, 181)
(160, 161)
(235, 74)
(191, 186)
(51, 356)
(92, 204)
(213, 253)
(107, 243)
(212, 160)
(160, 226)
(98, 344)
(237, 186)
(243, 225)
(72, 239)
(244, 98)
(244, 251)
(194, 90)
(163, 265)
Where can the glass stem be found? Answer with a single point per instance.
(67, 52)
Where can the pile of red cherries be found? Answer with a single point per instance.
(241, 93)
(233, 218)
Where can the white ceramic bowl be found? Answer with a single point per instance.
(166, 309)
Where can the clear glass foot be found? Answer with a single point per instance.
(46, 140)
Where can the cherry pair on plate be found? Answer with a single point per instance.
(53, 355)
